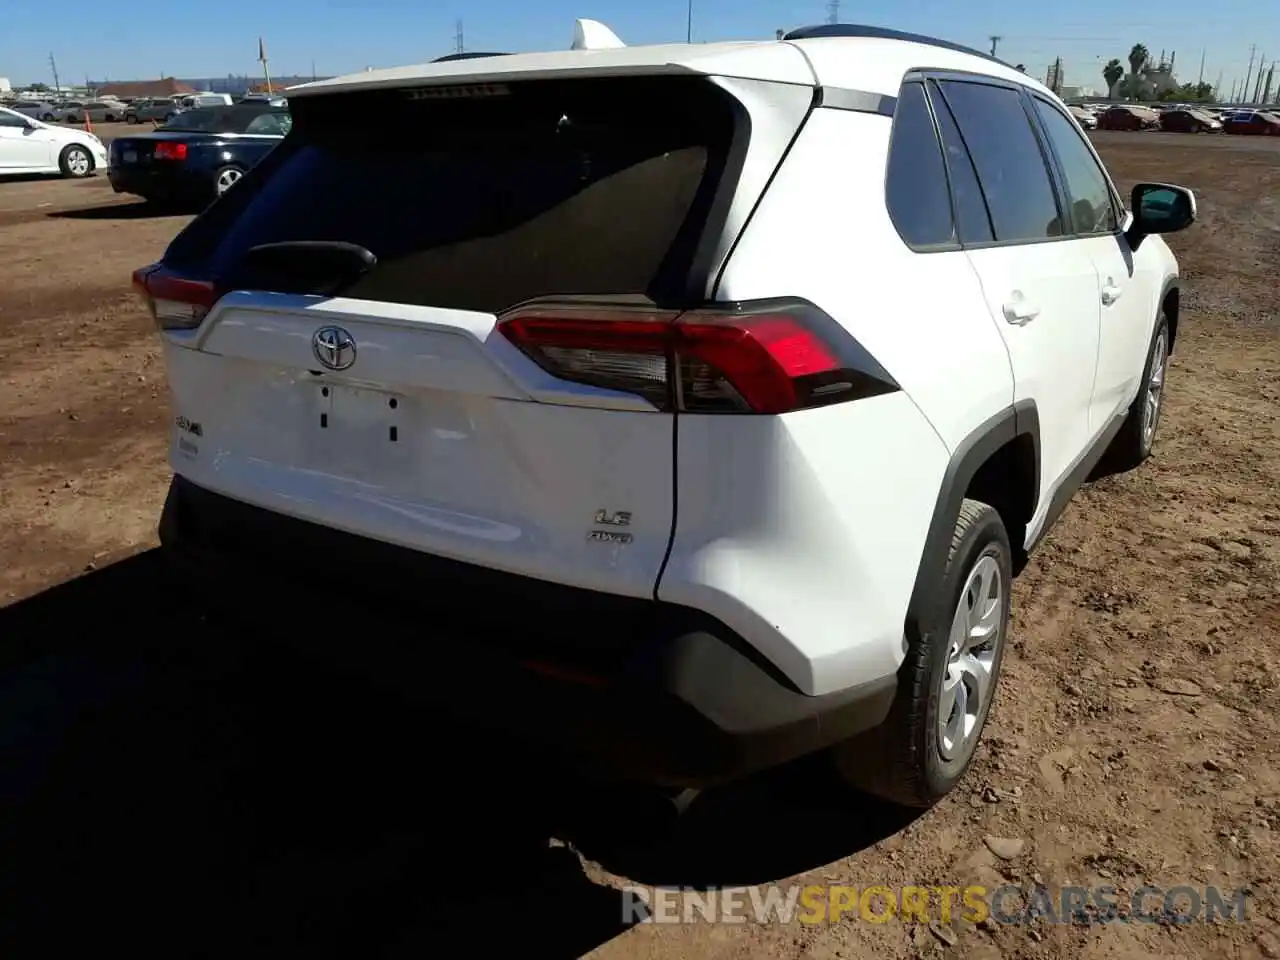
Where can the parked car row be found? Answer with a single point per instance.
(141, 110)
(1177, 118)
(71, 111)
(194, 158)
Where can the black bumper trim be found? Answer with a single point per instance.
(638, 689)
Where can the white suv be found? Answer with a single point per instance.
(688, 407)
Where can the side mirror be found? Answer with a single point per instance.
(1159, 208)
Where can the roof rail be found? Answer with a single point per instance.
(882, 33)
(449, 57)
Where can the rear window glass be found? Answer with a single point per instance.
(219, 120)
(483, 202)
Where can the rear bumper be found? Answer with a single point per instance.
(176, 186)
(633, 688)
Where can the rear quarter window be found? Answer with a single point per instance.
(916, 180)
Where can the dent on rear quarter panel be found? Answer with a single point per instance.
(803, 532)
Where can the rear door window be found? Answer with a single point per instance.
(1006, 154)
(490, 198)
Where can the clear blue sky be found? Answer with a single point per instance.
(146, 38)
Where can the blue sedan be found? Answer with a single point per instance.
(198, 155)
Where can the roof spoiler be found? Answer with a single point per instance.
(594, 35)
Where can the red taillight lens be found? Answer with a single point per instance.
(615, 349)
(168, 150)
(176, 303)
(746, 358)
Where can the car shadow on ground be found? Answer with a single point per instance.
(27, 177)
(139, 210)
(186, 790)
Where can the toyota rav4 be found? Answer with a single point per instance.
(689, 408)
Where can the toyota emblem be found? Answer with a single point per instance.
(334, 347)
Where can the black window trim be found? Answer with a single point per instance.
(1117, 206)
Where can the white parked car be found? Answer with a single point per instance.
(33, 146)
(688, 407)
(35, 109)
(205, 100)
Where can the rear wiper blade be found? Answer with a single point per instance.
(322, 267)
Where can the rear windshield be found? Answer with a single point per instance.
(483, 202)
(219, 120)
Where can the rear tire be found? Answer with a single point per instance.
(1137, 436)
(131, 118)
(226, 178)
(75, 162)
(919, 754)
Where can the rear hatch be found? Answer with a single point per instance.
(394, 378)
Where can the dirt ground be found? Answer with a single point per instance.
(1136, 737)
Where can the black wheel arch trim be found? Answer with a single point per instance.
(1170, 285)
(1020, 419)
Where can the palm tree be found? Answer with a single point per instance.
(1113, 73)
(1138, 58)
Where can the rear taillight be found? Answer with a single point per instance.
(759, 357)
(176, 303)
(168, 150)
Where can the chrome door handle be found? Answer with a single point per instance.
(1019, 311)
(1110, 294)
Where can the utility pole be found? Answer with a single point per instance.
(1201, 80)
(57, 87)
(459, 46)
(995, 42)
(1217, 87)
(833, 11)
(1266, 91)
(688, 22)
(1257, 86)
(262, 58)
(1244, 90)
(313, 69)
